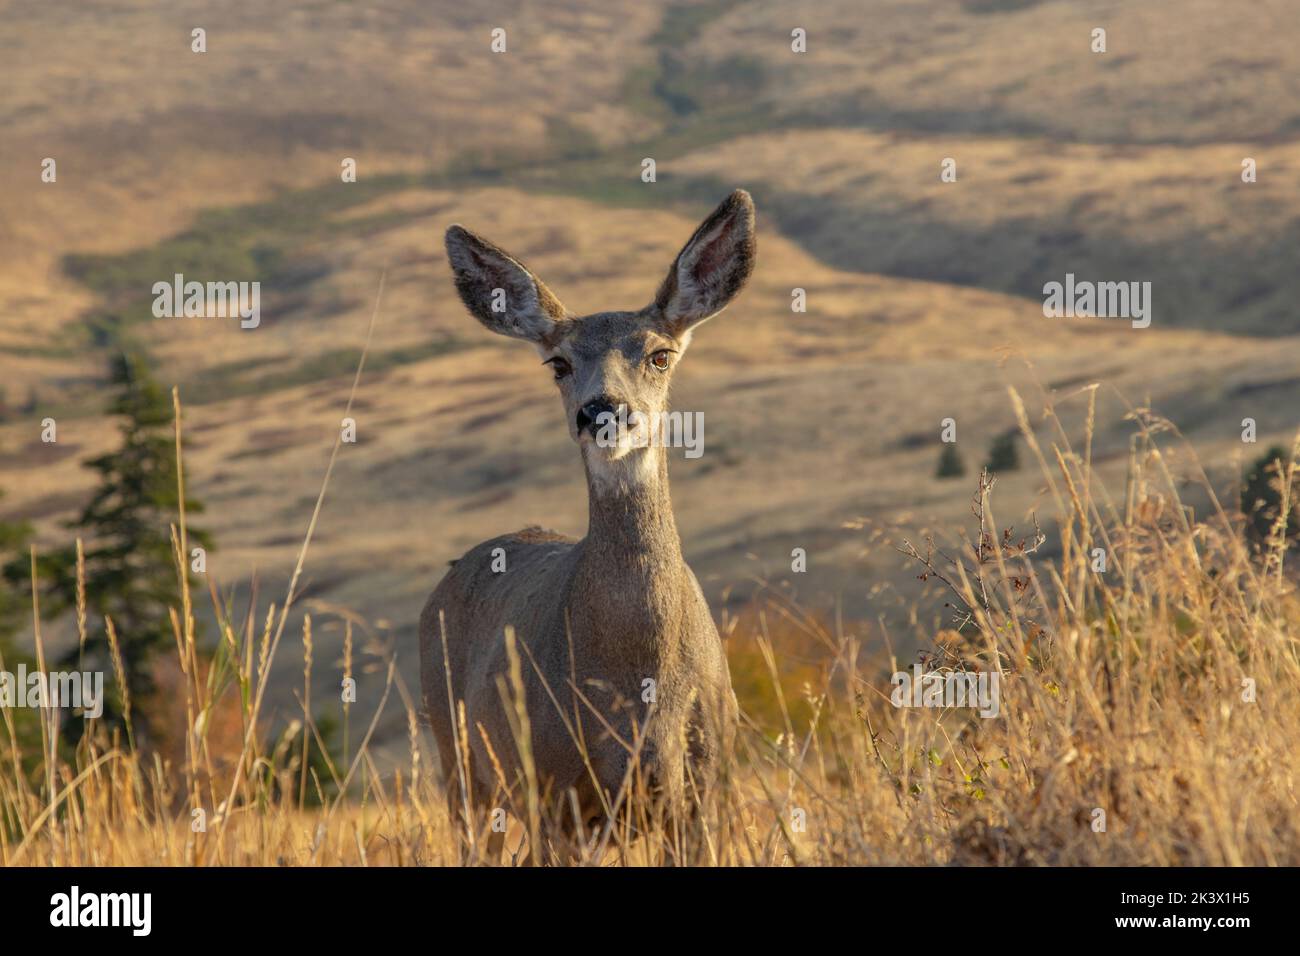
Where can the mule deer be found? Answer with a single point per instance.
(597, 620)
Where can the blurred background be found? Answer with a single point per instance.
(822, 428)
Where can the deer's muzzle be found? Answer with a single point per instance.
(589, 415)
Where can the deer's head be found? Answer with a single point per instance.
(610, 359)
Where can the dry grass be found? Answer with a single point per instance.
(1120, 692)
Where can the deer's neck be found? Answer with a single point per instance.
(631, 564)
(630, 513)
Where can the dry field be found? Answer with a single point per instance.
(147, 133)
(1144, 719)
(923, 303)
(812, 420)
(1175, 71)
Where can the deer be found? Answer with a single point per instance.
(621, 667)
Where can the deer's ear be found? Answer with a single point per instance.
(712, 267)
(499, 291)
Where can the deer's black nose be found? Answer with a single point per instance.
(589, 414)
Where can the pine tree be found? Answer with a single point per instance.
(1261, 499)
(15, 611)
(1003, 455)
(15, 604)
(950, 463)
(131, 572)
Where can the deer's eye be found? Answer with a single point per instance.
(559, 366)
(660, 360)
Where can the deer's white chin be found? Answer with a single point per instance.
(615, 468)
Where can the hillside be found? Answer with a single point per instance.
(924, 298)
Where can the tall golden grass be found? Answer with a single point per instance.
(1128, 732)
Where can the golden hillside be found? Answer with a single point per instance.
(924, 298)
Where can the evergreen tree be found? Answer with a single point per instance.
(131, 573)
(15, 604)
(1003, 455)
(950, 463)
(15, 612)
(1261, 499)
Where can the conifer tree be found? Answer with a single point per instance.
(1003, 455)
(1261, 499)
(131, 572)
(950, 463)
(15, 604)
